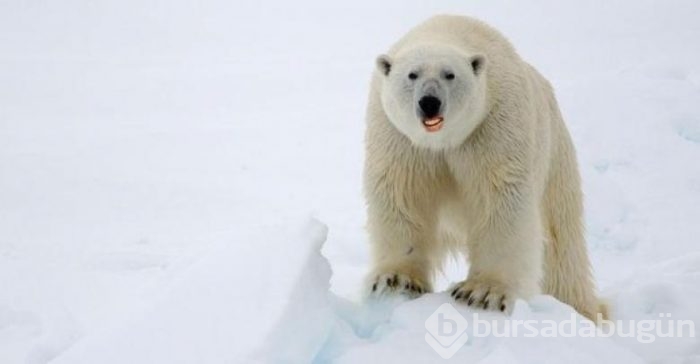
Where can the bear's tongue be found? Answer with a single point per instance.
(433, 124)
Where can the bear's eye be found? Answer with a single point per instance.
(412, 76)
(449, 76)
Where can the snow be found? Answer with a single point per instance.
(181, 182)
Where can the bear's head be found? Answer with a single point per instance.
(434, 95)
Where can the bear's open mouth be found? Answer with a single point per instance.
(433, 124)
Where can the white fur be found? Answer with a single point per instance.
(467, 93)
(499, 182)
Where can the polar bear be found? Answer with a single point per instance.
(467, 152)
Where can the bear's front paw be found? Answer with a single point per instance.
(397, 283)
(485, 294)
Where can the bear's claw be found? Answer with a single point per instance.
(397, 283)
(487, 295)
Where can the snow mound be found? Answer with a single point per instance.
(320, 327)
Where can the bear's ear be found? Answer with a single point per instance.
(478, 64)
(384, 64)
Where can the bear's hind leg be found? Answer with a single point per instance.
(567, 270)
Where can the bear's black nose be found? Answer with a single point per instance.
(430, 105)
